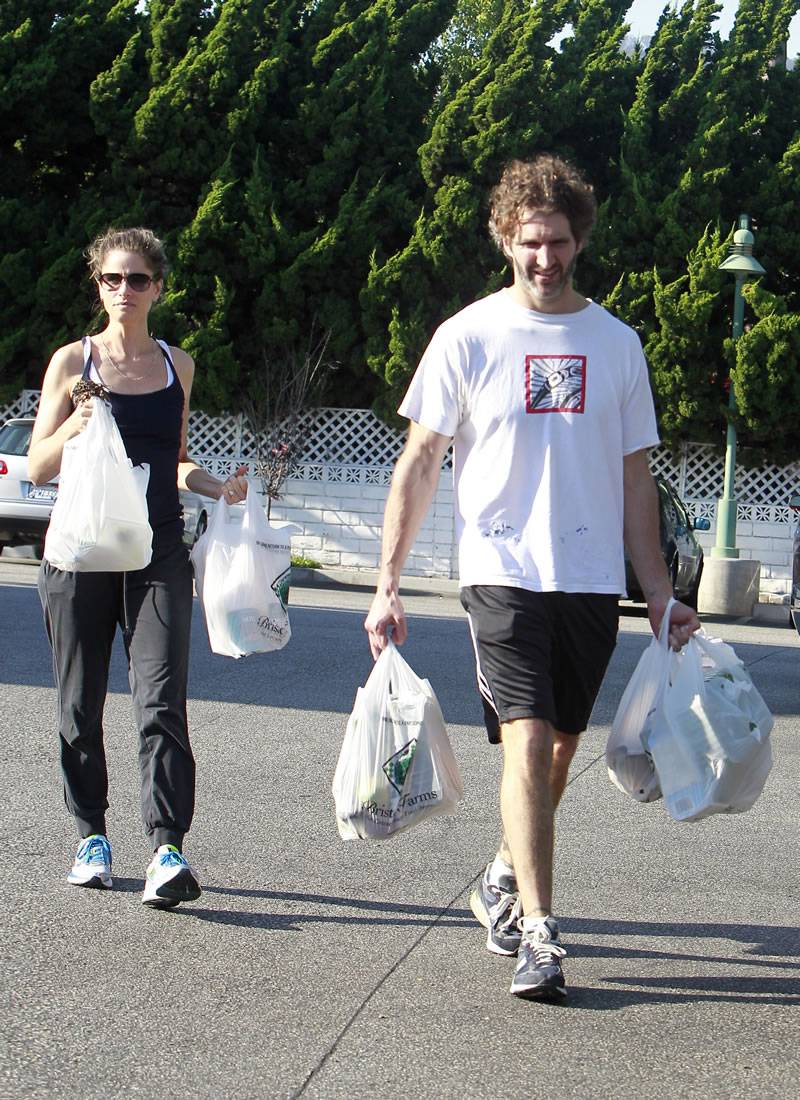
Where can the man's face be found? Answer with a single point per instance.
(543, 253)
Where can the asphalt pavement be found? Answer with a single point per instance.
(318, 968)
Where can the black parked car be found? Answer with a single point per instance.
(682, 552)
(794, 504)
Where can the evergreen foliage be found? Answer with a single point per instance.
(767, 379)
(332, 161)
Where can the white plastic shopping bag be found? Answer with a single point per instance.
(396, 766)
(629, 765)
(710, 737)
(242, 568)
(100, 520)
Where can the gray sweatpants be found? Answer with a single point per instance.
(153, 607)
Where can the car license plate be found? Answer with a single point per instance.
(42, 492)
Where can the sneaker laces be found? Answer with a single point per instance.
(96, 852)
(510, 903)
(172, 858)
(547, 949)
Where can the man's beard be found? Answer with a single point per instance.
(555, 290)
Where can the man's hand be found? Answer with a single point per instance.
(386, 616)
(683, 621)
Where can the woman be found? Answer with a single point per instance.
(148, 386)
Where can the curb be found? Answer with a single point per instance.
(366, 579)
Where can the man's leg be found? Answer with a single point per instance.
(534, 777)
(527, 808)
(564, 748)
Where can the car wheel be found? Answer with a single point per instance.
(201, 528)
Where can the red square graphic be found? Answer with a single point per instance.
(555, 383)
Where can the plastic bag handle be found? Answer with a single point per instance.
(663, 630)
(103, 417)
(400, 675)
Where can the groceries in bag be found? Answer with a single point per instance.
(396, 766)
(242, 567)
(709, 739)
(630, 766)
(100, 520)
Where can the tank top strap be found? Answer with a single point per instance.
(91, 374)
(168, 358)
(165, 348)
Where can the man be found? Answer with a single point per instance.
(547, 399)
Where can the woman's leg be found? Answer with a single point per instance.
(80, 615)
(158, 609)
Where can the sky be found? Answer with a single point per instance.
(643, 16)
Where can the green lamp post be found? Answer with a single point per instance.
(743, 265)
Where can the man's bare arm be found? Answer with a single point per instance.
(414, 484)
(644, 547)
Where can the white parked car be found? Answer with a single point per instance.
(24, 508)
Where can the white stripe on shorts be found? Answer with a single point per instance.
(483, 686)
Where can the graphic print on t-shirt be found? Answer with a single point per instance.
(555, 383)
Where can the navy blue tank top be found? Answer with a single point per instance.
(150, 426)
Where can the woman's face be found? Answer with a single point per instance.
(126, 286)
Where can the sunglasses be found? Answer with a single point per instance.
(137, 280)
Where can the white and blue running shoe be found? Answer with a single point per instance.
(169, 879)
(92, 866)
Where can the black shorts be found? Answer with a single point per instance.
(540, 654)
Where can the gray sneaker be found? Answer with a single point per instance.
(538, 975)
(498, 909)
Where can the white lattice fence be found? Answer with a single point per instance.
(26, 405)
(348, 465)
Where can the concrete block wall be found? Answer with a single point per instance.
(342, 525)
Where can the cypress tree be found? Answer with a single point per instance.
(767, 379)
(684, 347)
(49, 57)
(325, 130)
(658, 127)
(525, 97)
(726, 160)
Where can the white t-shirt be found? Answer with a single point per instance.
(542, 408)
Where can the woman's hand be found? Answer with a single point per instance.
(77, 421)
(234, 488)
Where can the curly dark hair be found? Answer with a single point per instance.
(140, 240)
(548, 185)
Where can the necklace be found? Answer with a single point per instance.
(121, 373)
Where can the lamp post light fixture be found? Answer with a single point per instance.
(743, 265)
